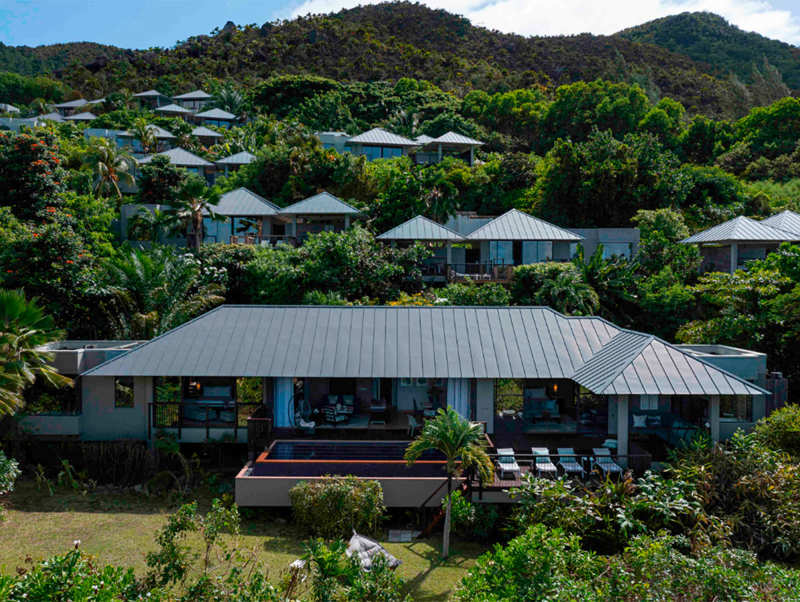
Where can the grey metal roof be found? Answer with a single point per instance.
(72, 104)
(741, 229)
(7, 108)
(788, 221)
(242, 158)
(181, 157)
(454, 138)
(216, 114)
(204, 132)
(149, 94)
(422, 139)
(323, 203)
(52, 116)
(380, 137)
(423, 342)
(516, 225)
(421, 228)
(244, 202)
(193, 95)
(85, 116)
(158, 132)
(173, 108)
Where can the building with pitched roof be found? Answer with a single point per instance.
(152, 99)
(194, 100)
(71, 106)
(377, 143)
(451, 144)
(206, 136)
(440, 239)
(728, 246)
(174, 110)
(787, 220)
(85, 117)
(235, 161)
(247, 218)
(216, 117)
(189, 161)
(7, 108)
(322, 212)
(367, 370)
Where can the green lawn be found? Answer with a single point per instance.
(120, 530)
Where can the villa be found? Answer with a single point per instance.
(189, 161)
(235, 161)
(152, 99)
(193, 101)
(486, 249)
(216, 117)
(378, 143)
(728, 247)
(330, 378)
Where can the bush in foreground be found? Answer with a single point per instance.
(334, 507)
(544, 564)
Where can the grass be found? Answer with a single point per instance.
(120, 529)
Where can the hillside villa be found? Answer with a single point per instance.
(728, 246)
(268, 375)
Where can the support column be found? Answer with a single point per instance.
(448, 254)
(713, 417)
(346, 222)
(471, 156)
(440, 153)
(734, 256)
(622, 429)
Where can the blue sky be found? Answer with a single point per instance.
(146, 23)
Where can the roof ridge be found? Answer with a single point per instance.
(628, 358)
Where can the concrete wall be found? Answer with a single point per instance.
(101, 421)
(397, 492)
(746, 364)
(51, 425)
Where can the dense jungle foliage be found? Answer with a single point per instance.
(362, 44)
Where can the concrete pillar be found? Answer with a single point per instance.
(449, 254)
(713, 417)
(346, 222)
(734, 256)
(471, 155)
(440, 153)
(622, 429)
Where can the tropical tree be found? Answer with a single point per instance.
(193, 202)
(464, 447)
(24, 330)
(146, 136)
(155, 290)
(152, 225)
(110, 166)
(229, 98)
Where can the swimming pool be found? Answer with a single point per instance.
(359, 458)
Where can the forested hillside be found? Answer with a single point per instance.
(710, 38)
(394, 40)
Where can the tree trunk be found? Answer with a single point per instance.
(446, 533)
(197, 238)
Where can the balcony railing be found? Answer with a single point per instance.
(480, 272)
(176, 415)
(264, 240)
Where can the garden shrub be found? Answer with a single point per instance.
(470, 293)
(336, 506)
(9, 472)
(781, 430)
(557, 285)
(609, 515)
(544, 564)
(473, 521)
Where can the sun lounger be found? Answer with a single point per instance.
(542, 464)
(603, 461)
(568, 462)
(507, 463)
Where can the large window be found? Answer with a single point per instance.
(123, 392)
(501, 252)
(167, 389)
(736, 408)
(536, 251)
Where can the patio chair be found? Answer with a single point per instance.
(602, 461)
(507, 463)
(568, 462)
(542, 464)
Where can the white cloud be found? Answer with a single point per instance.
(564, 17)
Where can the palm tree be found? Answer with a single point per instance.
(110, 166)
(24, 330)
(144, 133)
(568, 293)
(154, 226)
(464, 448)
(228, 98)
(156, 290)
(194, 201)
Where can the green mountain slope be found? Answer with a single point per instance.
(387, 42)
(710, 38)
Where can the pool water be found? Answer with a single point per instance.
(358, 458)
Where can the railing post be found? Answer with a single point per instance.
(208, 429)
(180, 421)
(150, 418)
(235, 421)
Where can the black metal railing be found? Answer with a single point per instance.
(480, 271)
(176, 415)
